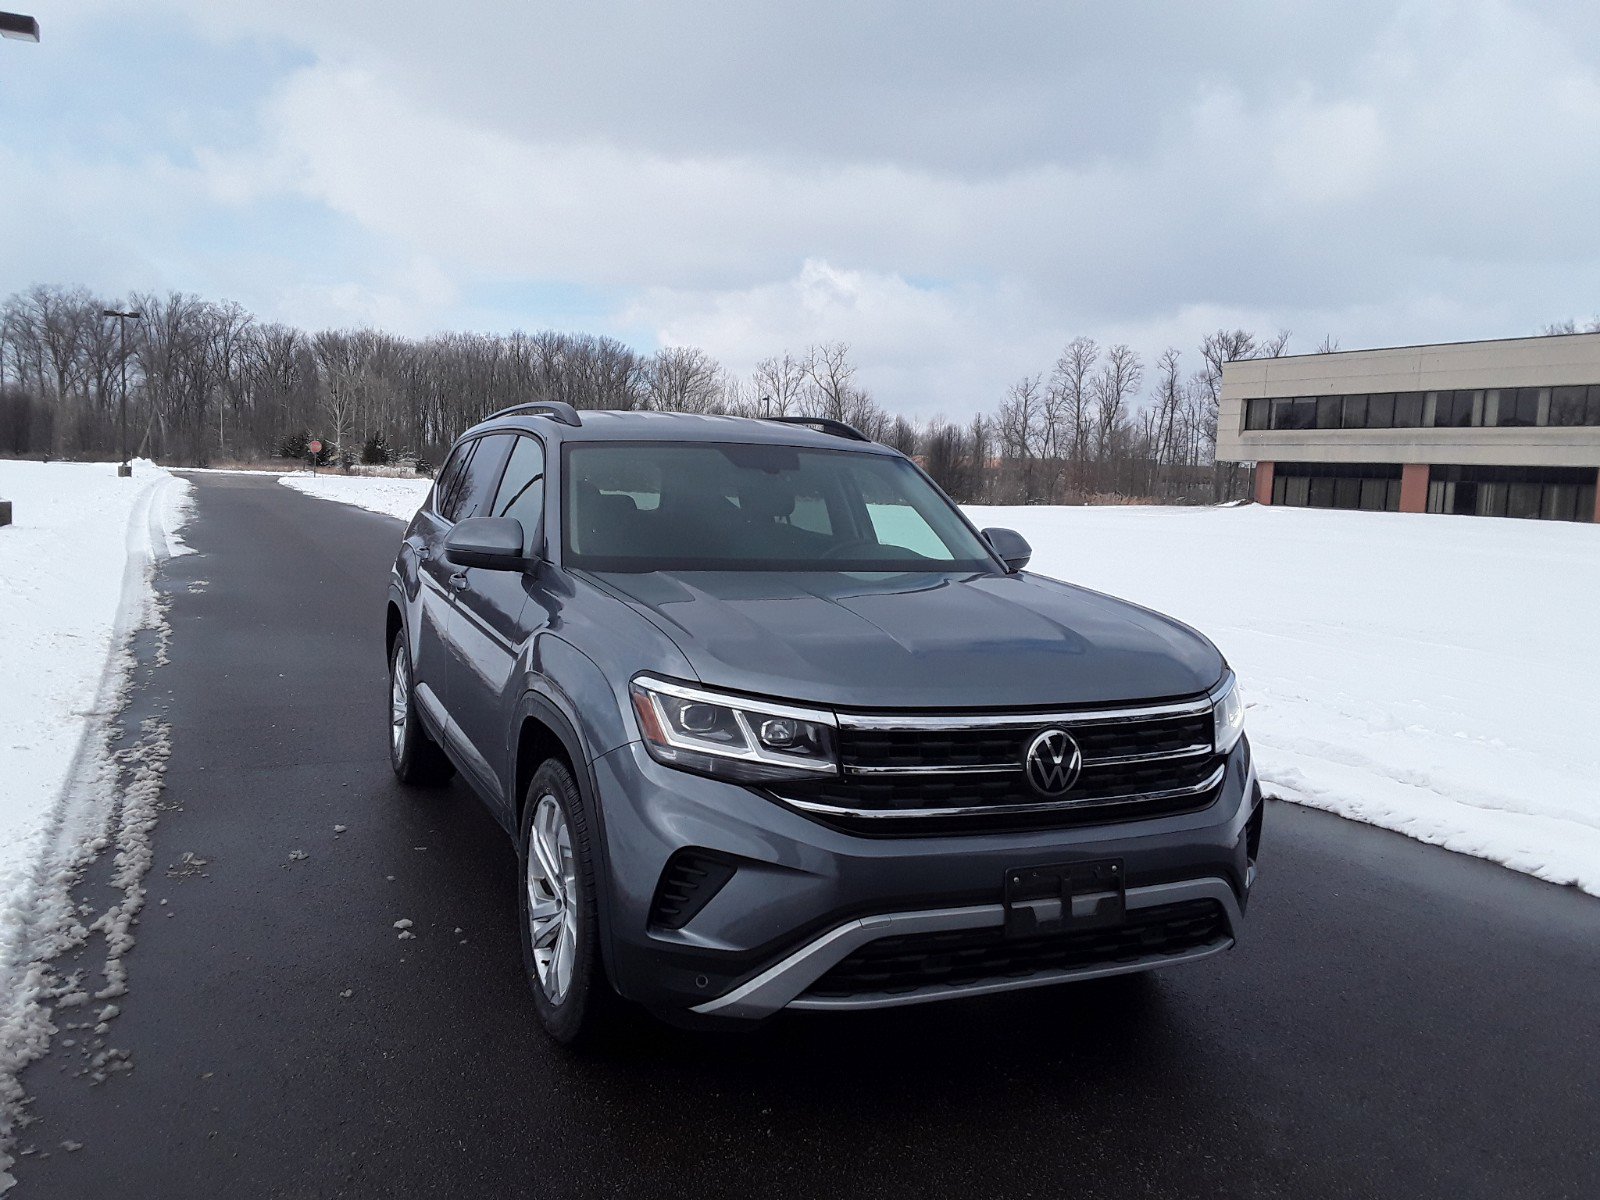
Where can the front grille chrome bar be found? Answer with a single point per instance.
(930, 723)
(1199, 750)
(1001, 768)
(991, 810)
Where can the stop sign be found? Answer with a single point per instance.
(315, 447)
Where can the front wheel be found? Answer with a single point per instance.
(560, 929)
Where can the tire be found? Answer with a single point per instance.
(559, 918)
(416, 758)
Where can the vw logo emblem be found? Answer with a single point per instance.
(1052, 762)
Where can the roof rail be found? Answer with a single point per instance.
(825, 424)
(556, 410)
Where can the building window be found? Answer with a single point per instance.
(1568, 406)
(1517, 407)
(1503, 408)
(1456, 410)
(1300, 412)
(1371, 486)
(1549, 493)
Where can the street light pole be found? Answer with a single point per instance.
(123, 317)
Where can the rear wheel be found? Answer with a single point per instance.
(414, 755)
(560, 928)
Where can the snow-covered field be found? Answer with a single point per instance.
(1433, 675)
(75, 584)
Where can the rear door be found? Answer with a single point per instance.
(497, 613)
(430, 664)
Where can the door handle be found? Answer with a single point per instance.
(423, 553)
(459, 581)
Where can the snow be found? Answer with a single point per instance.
(72, 584)
(1432, 675)
(76, 572)
(399, 498)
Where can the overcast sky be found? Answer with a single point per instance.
(955, 189)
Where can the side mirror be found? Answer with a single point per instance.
(492, 543)
(1011, 546)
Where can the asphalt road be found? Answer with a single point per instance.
(1399, 1020)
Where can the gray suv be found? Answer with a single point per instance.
(773, 726)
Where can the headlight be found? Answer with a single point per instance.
(1227, 716)
(730, 736)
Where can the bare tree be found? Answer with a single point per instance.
(780, 384)
(1070, 383)
(1568, 325)
(1114, 389)
(1020, 428)
(1274, 346)
(1166, 418)
(829, 372)
(683, 379)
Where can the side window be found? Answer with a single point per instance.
(474, 495)
(521, 493)
(445, 482)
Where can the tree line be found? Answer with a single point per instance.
(208, 382)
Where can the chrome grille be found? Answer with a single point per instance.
(935, 773)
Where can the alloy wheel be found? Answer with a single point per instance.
(552, 898)
(399, 685)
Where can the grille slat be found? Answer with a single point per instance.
(687, 884)
(931, 750)
(928, 780)
(896, 965)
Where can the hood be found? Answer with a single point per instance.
(920, 641)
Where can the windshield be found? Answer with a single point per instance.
(702, 506)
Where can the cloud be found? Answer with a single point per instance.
(954, 192)
(931, 350)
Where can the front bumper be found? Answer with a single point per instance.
(804, 896)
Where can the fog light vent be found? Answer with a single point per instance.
(692, 877)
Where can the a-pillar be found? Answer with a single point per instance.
(1263, 483)
(1414, 487)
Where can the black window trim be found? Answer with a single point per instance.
(474, 442)
(543, 479)
(466, 448)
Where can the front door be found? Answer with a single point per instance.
(471, 496)
(497, 616)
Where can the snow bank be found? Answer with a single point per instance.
(72, 583)
(75, 584)
(398, 498)
(1432, 675)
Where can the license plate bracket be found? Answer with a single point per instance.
(1064, 897)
